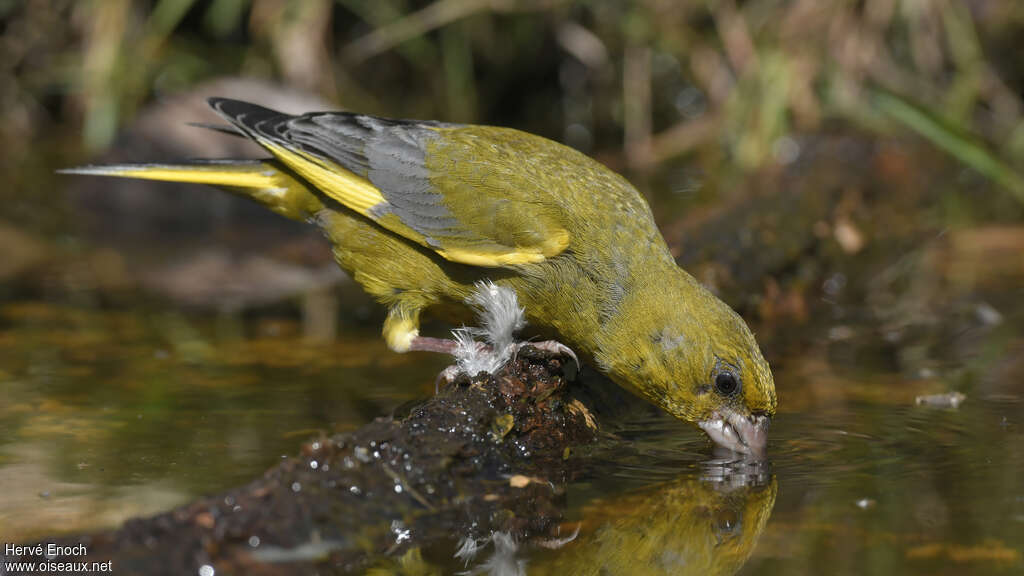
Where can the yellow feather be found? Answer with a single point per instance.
(490, 259)
(244, 175)
(351, 190)
(357, 193)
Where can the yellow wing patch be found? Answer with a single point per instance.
(358, 194)
(551, 247)
(351, 190)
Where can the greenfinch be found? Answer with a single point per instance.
(419, 213)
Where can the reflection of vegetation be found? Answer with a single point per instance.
(689, 526)
(112, 399)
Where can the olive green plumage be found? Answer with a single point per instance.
(418, 212)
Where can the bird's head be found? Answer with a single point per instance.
(689, 353)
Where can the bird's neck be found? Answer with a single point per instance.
(649, 315)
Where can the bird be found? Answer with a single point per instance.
(420, 213)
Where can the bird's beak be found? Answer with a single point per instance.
(737, 432)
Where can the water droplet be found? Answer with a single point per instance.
(206, 570)
(398, 488)
(325, 467)
(400, 531)
(296, 487)
(313, 464)
(254, 541)
(355, 490)
(316, 446)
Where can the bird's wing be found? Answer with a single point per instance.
(439, 185)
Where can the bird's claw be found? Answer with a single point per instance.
(552, 347)
(448, 375)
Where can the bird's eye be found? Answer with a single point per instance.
(726, 384)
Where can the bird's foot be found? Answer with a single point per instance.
(443, 346)
(553, 347)
(448, 375)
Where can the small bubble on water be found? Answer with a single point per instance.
(314, 464)
(355, 490)
(316, 446)
(325, 467)
(206, 570)
(296, 487)
(398, 488)
(254, 541)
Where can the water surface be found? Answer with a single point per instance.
(114, 413)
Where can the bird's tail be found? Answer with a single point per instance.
(264, 181)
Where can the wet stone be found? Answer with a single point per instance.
(439, 469)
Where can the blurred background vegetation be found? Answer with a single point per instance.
(637, 83)
(696, 101)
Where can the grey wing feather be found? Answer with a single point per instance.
(388, 153)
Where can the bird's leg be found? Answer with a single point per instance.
(500, 314)
(402, 333)
(428, 344)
